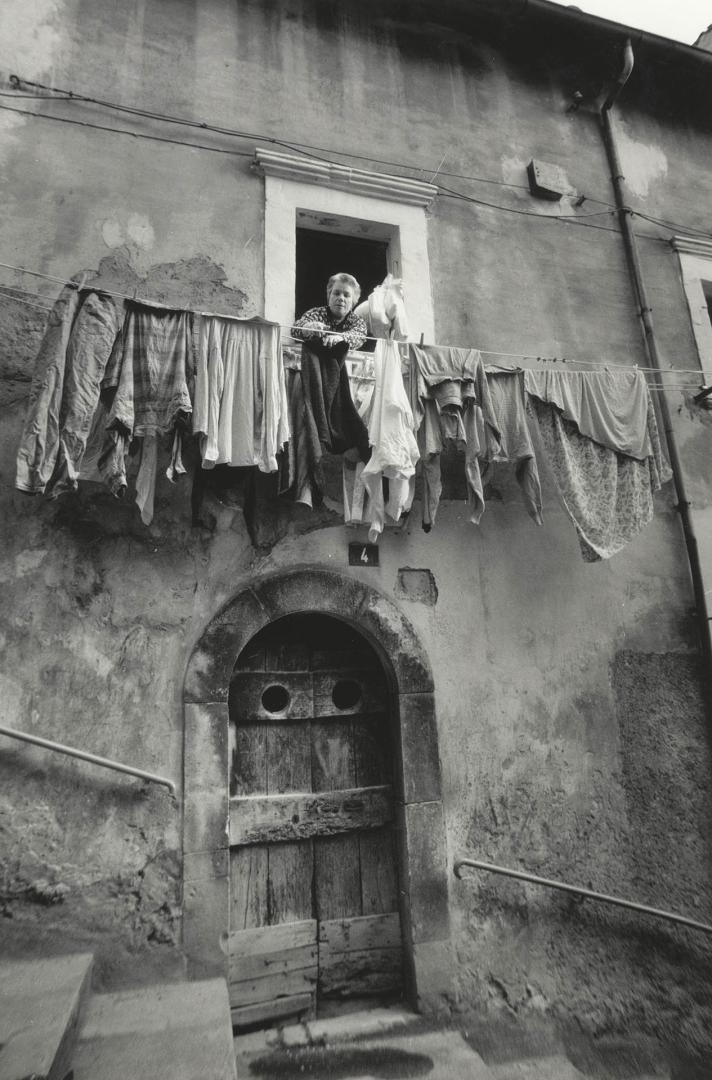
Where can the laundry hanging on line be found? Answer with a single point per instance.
(111, 376)
(607, 493)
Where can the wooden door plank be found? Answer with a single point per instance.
(259, 941)
(288, 754)
(283, 984)
(248, 688)
(356, 974)
(336, 877)
(372, 752)
(287, 656)
(272, 963)
(291, 870)
(379, 876)
(369, 685)
(332, 756)
(354, 659)
(337, 881)
(248, 887)
(298, 1005)
(272, 818)
(360, 933)
(291, 865)
(249, 762)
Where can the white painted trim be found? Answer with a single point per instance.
(692, 245)
(359, 181)
(695, 257)
(352, 213)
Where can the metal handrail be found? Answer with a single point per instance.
(106, 763)
(586, 893)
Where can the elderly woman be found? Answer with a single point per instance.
(323, 416)
(336, 323)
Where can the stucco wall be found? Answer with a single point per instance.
(568, 701)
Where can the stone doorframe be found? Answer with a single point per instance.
(420, 825)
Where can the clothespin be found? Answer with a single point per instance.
(422, 340)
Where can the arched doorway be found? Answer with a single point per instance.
(314, 897)
(418, 825)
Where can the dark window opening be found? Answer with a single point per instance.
(707, 288)
(321, 254)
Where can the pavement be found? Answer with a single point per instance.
(395, 1044)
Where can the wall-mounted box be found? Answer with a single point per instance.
(547, 181)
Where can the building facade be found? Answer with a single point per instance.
(543, 713)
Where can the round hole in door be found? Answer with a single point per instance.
(275, 698)
(346, 694)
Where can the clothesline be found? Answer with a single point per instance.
(587, 364)
(30, 303)
(165, 383)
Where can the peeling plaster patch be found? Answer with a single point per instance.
(23, 563)
(642, 162)
(27, 561)
(514, 171)
(96, 659)
(11, 695)
(417, 585)
(138, 230)
(10, 122)
(112, 234)
(29, 29)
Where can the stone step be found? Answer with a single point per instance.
(40, 1006)
(553, 1067)
(175, 1031)
(384, 1043)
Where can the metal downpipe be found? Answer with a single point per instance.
(652, 351)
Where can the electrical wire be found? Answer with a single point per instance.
(583, 365)
(125, 131)
(70, 95)
(11, 290)
(21, 300)
(445, 192)
(61, 94)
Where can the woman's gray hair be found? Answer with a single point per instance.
(343, 279)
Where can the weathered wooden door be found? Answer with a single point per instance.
(314, 896)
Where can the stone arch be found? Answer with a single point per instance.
(420, 823)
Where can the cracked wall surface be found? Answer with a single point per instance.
(568, 706)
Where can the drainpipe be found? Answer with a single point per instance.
(625, 215)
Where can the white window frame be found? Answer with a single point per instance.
(696, 267)
(300, 192)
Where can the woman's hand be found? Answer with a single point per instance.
(332, 339)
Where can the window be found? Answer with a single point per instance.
(696, 266)
(370, 220)
(707, 289)
(320, 254)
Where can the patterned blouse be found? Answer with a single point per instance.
(353, 328)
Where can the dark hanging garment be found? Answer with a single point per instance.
(328, 400)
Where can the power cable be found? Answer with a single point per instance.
(582, 364)
(20, 300)
(125, 131)
(61, 94)
(70, 95)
